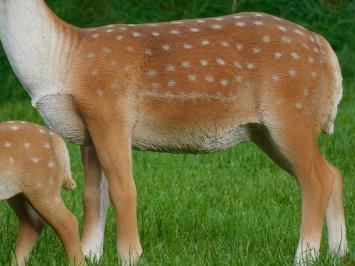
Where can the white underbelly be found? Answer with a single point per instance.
(185, 141)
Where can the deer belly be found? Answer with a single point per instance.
(188, 140)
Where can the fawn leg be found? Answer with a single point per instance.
(335, 216)
(113, 147)
(53, 210)
(30, 227)
(95, 204)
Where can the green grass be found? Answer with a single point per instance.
(217, 209)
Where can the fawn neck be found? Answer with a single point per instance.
(38, 45)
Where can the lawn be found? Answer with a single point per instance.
(229, 208)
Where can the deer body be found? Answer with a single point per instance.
(34, 165)
(191, 86)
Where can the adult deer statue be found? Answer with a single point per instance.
(191, 86)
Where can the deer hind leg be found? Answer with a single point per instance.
(30, 227)
(53, 210)
(113, 147)
(95, 204)
(295, 150)
(335, 216)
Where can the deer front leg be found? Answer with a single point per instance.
(95, 204)
(113, 148)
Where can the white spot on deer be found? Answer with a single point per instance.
(237, 17)
(205, 42)
(136, 34)
(240, 24)
(292, 72)
(35, 160)
(14, 128)
(305, 92)
(100, 92)
(209, 78)
(224, 82)
(314, 74)
(295, 55)
(51, 164)
(106, 50)
(186, 64)
(188, 46)
(203, 62)
(123, 28)
(266, 39)
(286, 39)
(275, 78)
(95, 35)
(27, 145)
(148, 52)
(7, 145)
(172, 83)
(250, 66)
(166, 47)
(239, 46)
(151, 73)
(216, 26)
(238, 65)
(194, 30)
(11, 160)
(305, 46)
(299, 105)
(153, 25)
(282, 28)
(312, 39)
(119, 37)
(175, 32)
(110, 30)
(225, 44)
(299, 32)
(220, 61)
(170, 68)
(259, 15)
(47, 146)
(91, 56)
(192, 78)
(239, 78)
(41, 131)
(178, 22)
(311, 59)
(258, 23)
(218, 19)
(129, 49)
(155, 86)
(114, 86)
(201, 21)
(316, 50)
(94, 72)
(156, 33)
(112, 62)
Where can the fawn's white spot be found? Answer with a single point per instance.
(194, 30)
(258, 23)
(240, 24)
(112, 62)
(286, 39)
(95, 72)
(170, 68)
(155, 86)
(47, 146)
(136, 34)
(192, 78)
(238, 65)
(27, 145)
(311, 59)
(205, 42)
(156, 33)
(305, 92)
(186, 64)
(106, 50)
(7, 144)
(35, 160)
(299, 105)
(151, 73)
(275, 78)
(129, 48)
(299, 32)
(292, 72)
(224, 82)
(91, 56)
(201, 21)
(225, 44)
(188, 46)
(314, 74)
(172, 83)
(266, 39)
(100, 92)
(239, 46)
(239, 78)
(220, 61)
(14, 128)
(203, 62)
(114, 86)
(41, 131)
(256, 50)
(51, 164)
(250, 66)
(95, 35)
(209, 78)
(216, 26)
(175, 32)
(166, 47)
(305, 46)
(119, 37)
(295, 55)
(11, 160)
(281, 28)
(148, 52)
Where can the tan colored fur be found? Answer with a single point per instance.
(34, 162)
(196, 86)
